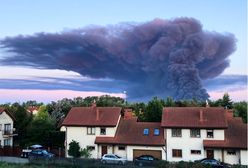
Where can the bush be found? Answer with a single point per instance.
(74, 149)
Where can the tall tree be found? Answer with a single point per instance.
(153, 111)
(240, 110)
(226, 102)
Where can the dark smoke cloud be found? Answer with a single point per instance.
(157, 58)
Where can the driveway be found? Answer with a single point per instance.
(13, 159)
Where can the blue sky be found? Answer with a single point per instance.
(27, 17)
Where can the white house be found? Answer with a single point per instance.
(194, 133)
(6, 127)
(185, 133)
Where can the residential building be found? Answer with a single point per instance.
(184, 134)
(33, 110)
(6, 127)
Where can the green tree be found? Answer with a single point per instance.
(226, 102)
(153, 111)
(74, 149)
(86, 153)
(240, 110)
(169, 102)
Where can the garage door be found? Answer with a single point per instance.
(154, 153)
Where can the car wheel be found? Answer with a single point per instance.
(120, 163)
(140, 164)
(104, 162)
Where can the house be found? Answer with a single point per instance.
(194, 133)
(185, 133)
(84, 124)
(33, 110)
(6, 127)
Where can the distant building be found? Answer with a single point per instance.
(6, 127)
(33, 110)
(185, 133)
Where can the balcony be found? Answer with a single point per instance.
(9, 133)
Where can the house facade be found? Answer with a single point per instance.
(185, 133)
(6, 127)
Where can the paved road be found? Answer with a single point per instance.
(13, 159)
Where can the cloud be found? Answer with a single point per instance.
(156, 58)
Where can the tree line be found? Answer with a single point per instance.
(43, 128)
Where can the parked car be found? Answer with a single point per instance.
(40, 153)
(145, 160)
(214, 163)
(25, 152)
(113, 159)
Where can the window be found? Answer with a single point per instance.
(0, 127)
(210, 133)
(195, 152)
(7, 129)
(6, 142)
(146, 131)
(91, 130)
(121, 147)
(176, 153)
(91, 148)
(195, 133)
(103, 131)
(231, 152)
(156, 131)
(176, 133)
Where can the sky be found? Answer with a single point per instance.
(19, 82)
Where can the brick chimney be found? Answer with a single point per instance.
(229, 113)
(95, 109)
(128, 114)
(201, 115)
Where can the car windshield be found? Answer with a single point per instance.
(45, 152)
(118, 156)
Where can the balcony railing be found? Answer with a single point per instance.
(9, 133)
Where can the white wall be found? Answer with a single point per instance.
(5, 119)
(243, 157)
(187, 143)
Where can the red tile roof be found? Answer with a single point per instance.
(32, 108)
(92, 116)
(2, 109)
(190, 117)
(235, 136)
(130, 132)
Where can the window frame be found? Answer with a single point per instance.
(193, 135)
(91, 148)
(177, 153)
(121, 147)
(91, 130)
(6, 140)
(231, 152)
(195, 152)
(210, 131)
(146, 131)
(156, 132)
(103, 128)
(176, 132)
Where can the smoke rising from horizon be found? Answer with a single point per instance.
(156, 58)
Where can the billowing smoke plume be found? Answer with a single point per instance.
(157, 58)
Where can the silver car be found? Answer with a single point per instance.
(113, 159)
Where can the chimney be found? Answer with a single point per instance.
(201, 115)
(97, 114)
(229, 113)
(95, 109)
(128, 114)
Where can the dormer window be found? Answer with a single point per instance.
(146, 131)
(156, 131)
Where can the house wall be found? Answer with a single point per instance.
(79, 134)
(5, 119)
(232, 159)
(243, 157)
(187, 143)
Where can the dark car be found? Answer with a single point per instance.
(40, 153)
(214, 163)
(145, 160)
